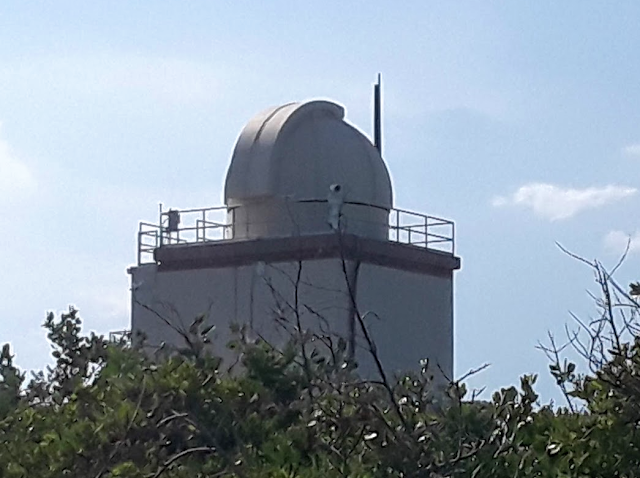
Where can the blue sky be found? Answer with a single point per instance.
(518, 120)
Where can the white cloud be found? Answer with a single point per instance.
(16, 178)
(632, 150)
(617, 241)
(554, 203)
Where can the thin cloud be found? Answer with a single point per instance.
(16, 179)
(632, 150)
(164, 79)
(555, 203)
(618, 241)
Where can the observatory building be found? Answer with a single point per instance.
(308, 234)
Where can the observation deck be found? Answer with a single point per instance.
(177, 228)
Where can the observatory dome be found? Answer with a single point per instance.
(284, 163)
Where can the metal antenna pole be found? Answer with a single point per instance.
(377, 115)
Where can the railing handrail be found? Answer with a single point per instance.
(418, 232)
(413, 213)
(197, 209)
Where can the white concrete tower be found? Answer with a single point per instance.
(308, 233)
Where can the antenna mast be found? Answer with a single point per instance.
(377, 116)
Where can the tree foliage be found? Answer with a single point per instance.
(106, 409)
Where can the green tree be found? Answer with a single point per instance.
(109, 410)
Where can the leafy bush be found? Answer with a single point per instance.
(106, 409)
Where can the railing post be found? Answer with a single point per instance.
(453, 238)
(204, 226)
(426, 232)
(160, 226)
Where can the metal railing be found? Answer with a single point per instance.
(192, 226)
(417, 229)
(120, 336)
(189, 226)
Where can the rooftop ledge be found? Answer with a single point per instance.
(204, 237)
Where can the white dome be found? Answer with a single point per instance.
(298, 150)
(284, 163)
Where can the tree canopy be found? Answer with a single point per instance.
(107, 409)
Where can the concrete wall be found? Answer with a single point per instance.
(283, 218)
(409, 314)
(261, 296)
